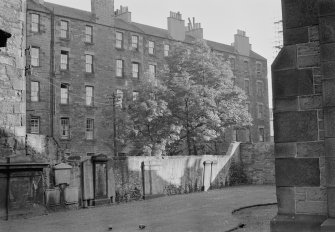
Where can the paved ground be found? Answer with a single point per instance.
(207, 211)
(257, 219)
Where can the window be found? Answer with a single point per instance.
(152, 70)
(135, 95)
(248, 106)
(89, 63)
(166, 49)
(89, 95)
(89, 34)
(119, 40)
(90, 154)
(248, 135)
(134, 42)
(64, 94)
(151, 47)
(235, 138)
(119, 98)
(258, 67)
(65, 128)
(261, 134)
(119, 68)
(34, 91)
(232, 63)
(135, 70)
(247, 86)
(35, 22)
(260, 110)
(246, 66)
(35, 125)
(89, 128)
(64, 29)
(64, 60)
(260, 89)
(35, 56)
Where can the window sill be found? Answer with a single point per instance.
(65, 139)
(89, 43)
(90, 140)
(120, 49)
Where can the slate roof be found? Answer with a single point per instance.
(133, 26)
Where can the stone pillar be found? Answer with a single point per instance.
(300, 113)
(327, 57)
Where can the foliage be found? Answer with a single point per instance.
(237, 175)
(191, 101)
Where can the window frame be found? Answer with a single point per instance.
(137, 42)
(246, 66)
(89, 36)
(32, 131)
(166, 51)
(134, 71)
(64, 93)
(64, 54)
(155, 70)
(64, 127)
(89, 97)
(135, 95)
(89, 68)
(247, 90)
(260, 110)
(151, 49)
(66, 30)
(89, 131)
(119, 71)
(35, 23)
(34, 58)
(37, 96)
(261, 137)
(119, 41)
(260, 88)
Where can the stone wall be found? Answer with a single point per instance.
(258, 162)
(303, 90)
(12, 79)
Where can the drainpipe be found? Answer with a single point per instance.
(8, 186)
(52, 73)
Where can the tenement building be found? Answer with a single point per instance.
(81, 60)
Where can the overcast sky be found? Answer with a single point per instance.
(219, 18)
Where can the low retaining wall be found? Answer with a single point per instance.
(168, 175)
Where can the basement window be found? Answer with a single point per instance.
(3, 38)
(35, 125)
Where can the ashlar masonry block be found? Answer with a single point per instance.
(292, 172)
(300, 13)
(296, 126)
(292, 82)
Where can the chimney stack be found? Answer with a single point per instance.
(194, 29)
(103, 11)
(176, 26)
(241, 43)
(123, 13)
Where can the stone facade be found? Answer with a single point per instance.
(12, 80)
(257, 160)
(49, 110)
(303, 117)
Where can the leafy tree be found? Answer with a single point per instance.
(192, 101)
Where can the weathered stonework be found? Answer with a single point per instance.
(12, 80)
(304, 155)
